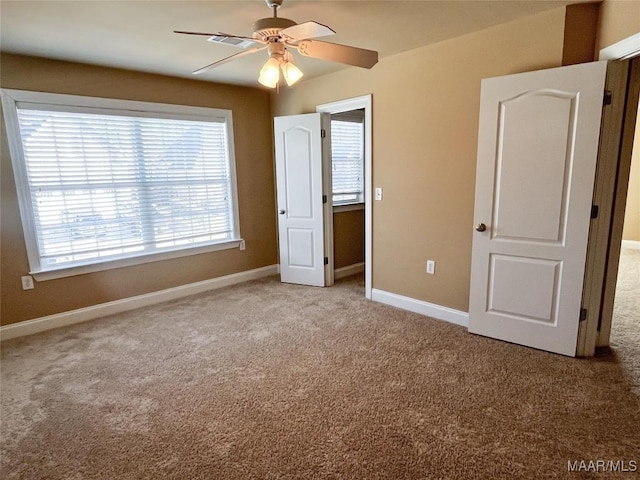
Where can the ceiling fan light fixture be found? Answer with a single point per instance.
(270, 73)
(277, 34)
(291, 73)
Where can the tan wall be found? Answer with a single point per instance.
(254, 160)
(348, 235)
(425, 123)
(632, 212)
(580, 33)
(619, 19)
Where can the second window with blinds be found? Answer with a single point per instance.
(347, 155)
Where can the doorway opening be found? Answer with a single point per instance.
(352, 209)
(347, 192)
(619, 324)
(624, 336)
(614, 192)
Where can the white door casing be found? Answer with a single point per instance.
(537, 152)
(300, 188)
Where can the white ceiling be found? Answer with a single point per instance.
(138, 35)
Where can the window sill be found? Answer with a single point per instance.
(43, 276)
(348, 208)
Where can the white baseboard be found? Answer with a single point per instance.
(424, 308)
(349, 270)
(49, 322)
(633, 244)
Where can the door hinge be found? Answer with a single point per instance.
(583, 314)
(323, 133)
(595, 210)
(324, 199)
(326, 260)
(608, 97)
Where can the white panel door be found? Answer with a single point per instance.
(299, 182)
(537, 151)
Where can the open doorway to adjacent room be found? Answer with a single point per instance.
(609, 279)
(347, 180)
(351, 186)
(625, 326)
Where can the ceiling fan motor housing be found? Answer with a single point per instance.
(276, 50)
(267, 28)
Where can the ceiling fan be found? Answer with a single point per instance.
(277, 35)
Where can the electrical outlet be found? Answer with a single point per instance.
(243, 246)
(431, 267)
(378, 193)
(27, 282)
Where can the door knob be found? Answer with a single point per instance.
(481, 227)
(281, 212)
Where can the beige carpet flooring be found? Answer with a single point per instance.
(272, 381)
(625, 331)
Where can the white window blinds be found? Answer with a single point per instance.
(106, 186)
(347, 151)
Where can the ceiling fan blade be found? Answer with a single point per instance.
(307, 30)
(358, 57)
(217, 63)
(219, 34)
(194, 33)
(228, 35)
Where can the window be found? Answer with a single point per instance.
(347, 151)
(106, 181)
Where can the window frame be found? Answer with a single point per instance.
(11, 100)
(354, 116)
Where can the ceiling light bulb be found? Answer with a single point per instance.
(291, 73)
(270, 73)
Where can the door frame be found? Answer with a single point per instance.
(347, 105)
(610, 194)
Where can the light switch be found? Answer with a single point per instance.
(431, 267)
(378, 193)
